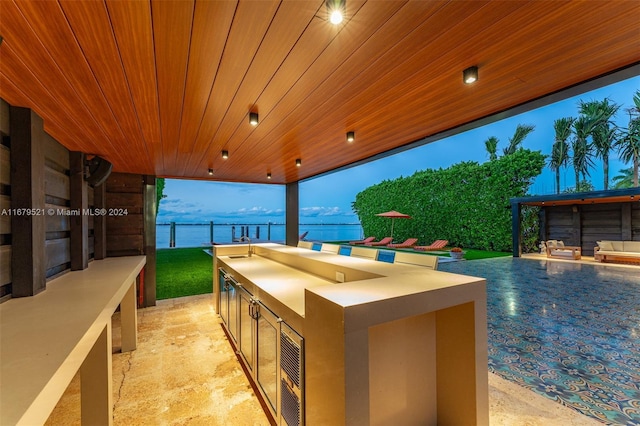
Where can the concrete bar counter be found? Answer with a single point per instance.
(383, 343)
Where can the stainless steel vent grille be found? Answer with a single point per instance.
(290, 406)
(290, 358)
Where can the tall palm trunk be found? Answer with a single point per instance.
(636, 165)
(605, 165)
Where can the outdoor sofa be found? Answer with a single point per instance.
(557, 249)
(617, 251)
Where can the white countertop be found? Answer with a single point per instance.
(382, 281)
(45, 338)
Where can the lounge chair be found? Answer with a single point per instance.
(365, 241)
(409, 242)
(382, 242)
(436, 245)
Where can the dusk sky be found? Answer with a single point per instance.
(328, 199)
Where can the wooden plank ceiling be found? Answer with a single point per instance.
(162, 87)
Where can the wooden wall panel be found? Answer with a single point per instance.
(57, 253)
(56, 184)
(5, 117)
(125, 232)
(5, 220)
(5, 265)
(5, 203)
(56, 156)
(5, 165)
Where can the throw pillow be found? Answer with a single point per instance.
(605, 245)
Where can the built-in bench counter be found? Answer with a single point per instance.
(46, 339)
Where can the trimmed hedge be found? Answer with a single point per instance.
(467, 203)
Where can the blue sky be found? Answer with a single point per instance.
(320, 202)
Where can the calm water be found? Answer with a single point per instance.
(198, 235)
(567, 331)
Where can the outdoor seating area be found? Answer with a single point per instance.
(408, 243)
(557, 249)
(617, 251)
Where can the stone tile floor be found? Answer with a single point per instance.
(184, 372)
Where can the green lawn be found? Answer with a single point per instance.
(183, 272)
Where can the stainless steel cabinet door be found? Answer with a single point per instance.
(246, 338)
(224, 297)
(267, 374)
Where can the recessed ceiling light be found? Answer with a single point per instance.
(336, 10)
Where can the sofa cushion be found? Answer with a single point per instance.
(605, 245)
(631, 246)
(617, 245)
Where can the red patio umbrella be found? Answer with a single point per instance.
(393, 215)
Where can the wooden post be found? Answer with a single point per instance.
(100, 222)
(28, 231)
(515, 228)
(149, 225)
(78, 204)
(292, 221)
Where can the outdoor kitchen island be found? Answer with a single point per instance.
(392, 344)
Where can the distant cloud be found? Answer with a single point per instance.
(319, 211)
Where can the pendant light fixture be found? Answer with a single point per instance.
(298, 162)
(336, 10)
(351, 136)
(470, 75)
(210, 172)
(268, 175)
(225, 154)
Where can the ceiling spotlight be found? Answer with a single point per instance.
(336, 10)
(470, 75)
(268, 175)
(351, 136)
(298, 162)
(225, 154)
(210, 172)
(253, 118)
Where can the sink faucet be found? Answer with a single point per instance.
(244, 238)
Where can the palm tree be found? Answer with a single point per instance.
(581, 148)
(624, 179)
(603, 132)
(491, 144)
(629, 144)
(560, 149)
(522, 131)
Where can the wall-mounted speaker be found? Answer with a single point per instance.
(97, 170)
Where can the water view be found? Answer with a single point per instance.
(199, 234)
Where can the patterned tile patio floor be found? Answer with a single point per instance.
(567, 331)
